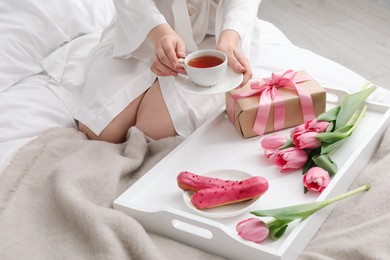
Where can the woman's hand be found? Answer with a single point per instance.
(168, 48)
(228, 43)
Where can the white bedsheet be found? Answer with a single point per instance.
(27, 109)
(38, 102)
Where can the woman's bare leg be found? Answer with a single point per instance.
(153, 117)
(148, 113)
(116, 130)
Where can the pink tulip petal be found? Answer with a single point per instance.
(306, 140)
(291, 159)
(274, 141)
(317, 126)
(316, 179)
(252, 229)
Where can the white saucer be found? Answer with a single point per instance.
(231, 80)
(225, 211)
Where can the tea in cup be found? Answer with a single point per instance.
(205, 67)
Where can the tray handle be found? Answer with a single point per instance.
(192, 229)
(333, 95)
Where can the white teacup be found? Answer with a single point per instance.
(205, 67)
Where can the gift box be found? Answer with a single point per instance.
(271, 104)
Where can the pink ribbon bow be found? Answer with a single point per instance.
(269, 94)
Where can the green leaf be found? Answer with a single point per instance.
(303, 211)
(292, 212)
(288, 143)
(330, 126)
(328, 148)
(350, 104)
(277, 228)
(326, 163)
(335, 136)
(310, 163)
(330, 115)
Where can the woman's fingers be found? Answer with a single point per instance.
(247, 69)
(165, 62)
(235, 63)
(240, 64)
(162, 71)
(159, 68)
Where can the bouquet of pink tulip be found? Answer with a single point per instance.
(310, 145)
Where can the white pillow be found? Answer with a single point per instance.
(32, 29)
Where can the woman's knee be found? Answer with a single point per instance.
(88, 132)
(153, 117)
(108, 134)
(117, 128)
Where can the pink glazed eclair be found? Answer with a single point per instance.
(189, 181)
(243, 190)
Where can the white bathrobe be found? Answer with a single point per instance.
(119, 67)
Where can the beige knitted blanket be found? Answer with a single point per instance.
(56, 203)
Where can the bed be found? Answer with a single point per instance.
(57, 187)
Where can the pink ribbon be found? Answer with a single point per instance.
(269, 95)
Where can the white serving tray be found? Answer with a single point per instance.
(157, 203)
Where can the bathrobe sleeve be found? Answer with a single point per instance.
(135, 19)
(240, 16)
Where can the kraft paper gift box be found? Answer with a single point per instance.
(244, 110)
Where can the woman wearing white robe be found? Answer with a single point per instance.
(125, 66)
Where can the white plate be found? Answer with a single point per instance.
(231, 80)
(225, 211)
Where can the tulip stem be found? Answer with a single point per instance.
(303, 211)
(348, 194)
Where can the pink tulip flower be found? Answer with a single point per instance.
(306, 140)
(317, 126)
(252, 229)
(291, 158)
(316, 179)
(298, 129)
(272, 143)
(311, 126)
